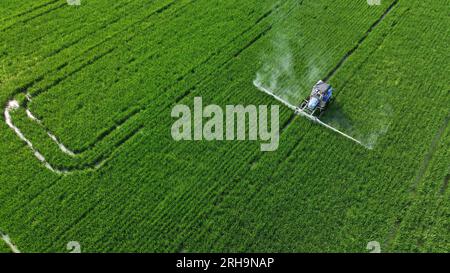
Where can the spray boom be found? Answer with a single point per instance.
(301, 112)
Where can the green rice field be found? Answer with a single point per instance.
(85, 134)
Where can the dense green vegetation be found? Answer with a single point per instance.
(4, 248)
(104, 77)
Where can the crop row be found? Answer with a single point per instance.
(318, 192)
(227, 50)
(142, 80)
(189, 147)
(194, 150)
(67, 27)
(103, 84)
(56, 52)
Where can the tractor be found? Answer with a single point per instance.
(318, 100)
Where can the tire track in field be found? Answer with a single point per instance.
(135, 111)
(355, 48)
(20, 14)
(360, 41)
(280, 163)
(26, 20)
(23, 89)
(224, 64)
(251, 158)
(209, 76)
(58, 32)
(44, 13)
(116, 34)
(419, 177)
(445, 184)
(92, 47)
(79, 57)
(283, 129)
(14, 105)
(253, 41)
(293, 116)
(98, 163)
(240, 51)
(74, 223)
(63, 33)
(70, 31)
(33, 197)
(8, 242)
(58, 80)
(31, 116)
(108, 131)
(204, 79)
(432, 150)
(40, 78)
(371, 53)
(207, 60)
(181, 201)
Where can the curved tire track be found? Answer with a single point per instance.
(14, 105)
(9, 243)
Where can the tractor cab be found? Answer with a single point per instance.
(318, 100)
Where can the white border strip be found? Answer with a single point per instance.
(8, 242)
(61, 146)
(12, 106)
